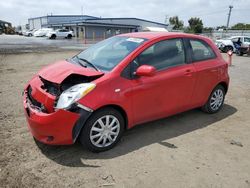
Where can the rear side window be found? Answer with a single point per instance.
(247, 39)
(201, 51)
(164, 54)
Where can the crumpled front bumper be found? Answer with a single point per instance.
(50, 128)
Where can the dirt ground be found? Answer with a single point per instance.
(191, 149)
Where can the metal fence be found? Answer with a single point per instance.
(226, 33)
(213, 35)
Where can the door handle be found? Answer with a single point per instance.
(214, 70)
(188, 72)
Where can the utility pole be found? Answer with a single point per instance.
(229, 15)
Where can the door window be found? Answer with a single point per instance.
(247, 39)
(164, 54)
(235, 39)
(201, 50)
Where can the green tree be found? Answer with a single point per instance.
(195, 25)
(176, 22)
(208, 29)
(241, 26)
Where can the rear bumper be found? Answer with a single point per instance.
(244, 50)
(54, 128)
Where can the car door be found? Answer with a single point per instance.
(167, 92)
(206, 67)
(246, 41)
(59, 33)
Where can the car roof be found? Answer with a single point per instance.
(238, 36)
(153, 35)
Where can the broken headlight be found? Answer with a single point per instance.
(73, 94)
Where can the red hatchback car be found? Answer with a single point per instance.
(123, 81)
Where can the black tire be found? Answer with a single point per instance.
(92, 121)
(239, 53)
(30, 35)
(69, 36)
(53, 36)
(228, 48)
(209, 107)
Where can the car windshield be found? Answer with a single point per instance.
(107, 54)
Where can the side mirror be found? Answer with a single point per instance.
(145, 70)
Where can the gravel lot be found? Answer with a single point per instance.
(191, 149)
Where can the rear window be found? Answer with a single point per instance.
(201, 50)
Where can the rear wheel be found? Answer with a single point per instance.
(102, 130)
(239, 53)
(215, 101)
(69, 36)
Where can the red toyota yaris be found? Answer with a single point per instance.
(123, 81)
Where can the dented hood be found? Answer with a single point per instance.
(58, 71)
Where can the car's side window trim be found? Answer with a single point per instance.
(185, 54)
(129, 74)
(206, 45)
(188, 50)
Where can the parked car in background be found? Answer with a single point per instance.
(29, 33)
(20, 32)
(233, 44)
(60, 33)
(123, 81)
(42, 32)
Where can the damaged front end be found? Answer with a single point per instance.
(51, 107)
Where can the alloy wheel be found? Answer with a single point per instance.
(216, 99)
(104, 131)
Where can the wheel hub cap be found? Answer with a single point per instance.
(216, 99)
(104, 131)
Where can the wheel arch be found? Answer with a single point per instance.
(229, 46)
(119, 109)
(86, 115)
(224, 85)
(53, 35)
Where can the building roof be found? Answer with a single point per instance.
(129, 18)
(83, 22)
(2, 21)
(86, 16)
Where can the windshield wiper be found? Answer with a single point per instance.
(86, 61)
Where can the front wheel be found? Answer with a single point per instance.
(215, 101)
(102, 130)
(53, 36)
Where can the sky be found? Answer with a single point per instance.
(212, 12)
